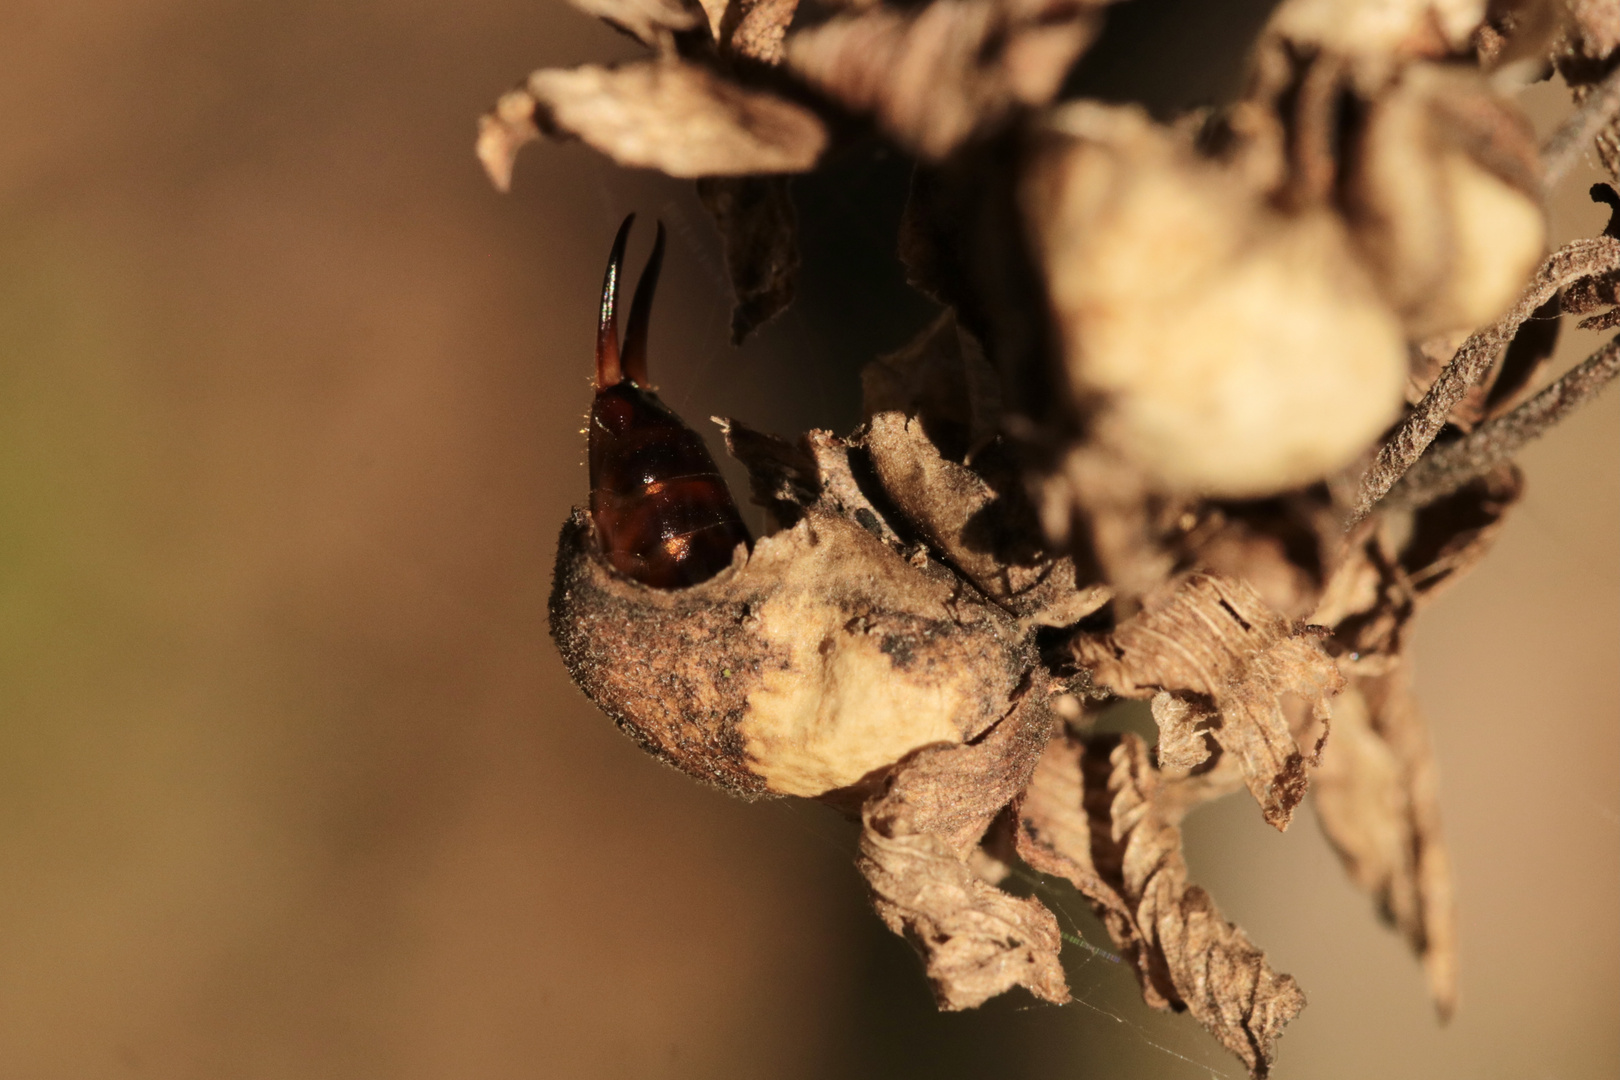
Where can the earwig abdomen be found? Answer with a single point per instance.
(662, 512)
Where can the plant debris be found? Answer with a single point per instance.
(1213, 406)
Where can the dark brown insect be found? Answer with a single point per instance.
(663, 514)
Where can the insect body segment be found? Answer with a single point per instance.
(662, 512)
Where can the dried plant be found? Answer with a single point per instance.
(1212, 408)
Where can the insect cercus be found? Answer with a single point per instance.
(662, 512)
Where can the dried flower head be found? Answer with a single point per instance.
(1212, 408)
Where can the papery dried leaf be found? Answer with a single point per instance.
(659, 114)
(943, 379)
(1215, 638)
(782, 475)
(1376, 799)
(755, 217)
(975, 529)
(1285, 548)
(651, 22)
(976, 940)
(1099, 814)
(937, 75)
(918, 835)
(1450, 535)
(759, 29)
(956, 791)
(1185, 740)
(1381, 584)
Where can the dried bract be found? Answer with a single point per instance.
(1214, 644)
(976, 940)
(1099, 814)
(1377, 802)
(658, 114)
(936, 75)
(757, 225)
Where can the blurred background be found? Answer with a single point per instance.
(292, 782)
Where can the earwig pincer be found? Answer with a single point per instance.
(662, 513)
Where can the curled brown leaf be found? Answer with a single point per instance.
(1376, 799)
(976, 941)
(760, 234)
(938, 74)
(666, 114)
(1099, 814)
(1214, 642)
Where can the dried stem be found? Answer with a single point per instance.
(1565, 146)
(1454, 464)
(1583, 258)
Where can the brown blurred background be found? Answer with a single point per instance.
(292, 783)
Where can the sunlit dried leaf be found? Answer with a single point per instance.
(658, 114)
(650, 22)
(760, 232)
(1376, 798)
(936, 75)
(918, 836)
(1213, 639)
(1099, 814)
(759, 29)
(1184, 734)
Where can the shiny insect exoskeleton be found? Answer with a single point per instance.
(662, 512)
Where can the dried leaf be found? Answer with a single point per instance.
(943, 379)
(1376, 799)
(915, 850)
(1285, 548)
(755, 29)
(974, 527)
(976, 940)
(782, 475)
(937, 75)
(759, 229)
(1184, 734)
(1450, 535)
(1214, 640)
(1381, 583)
(651, 22)
(660, 114)
(1099, 814)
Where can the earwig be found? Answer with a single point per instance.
(662, 512)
